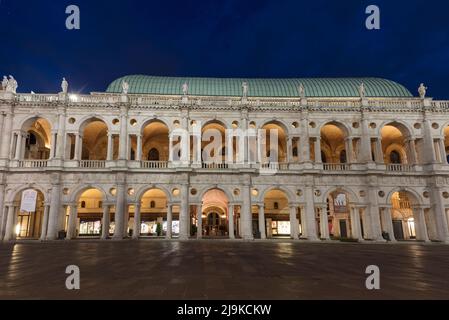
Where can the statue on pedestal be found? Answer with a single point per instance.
(12, 85)
(64, 85)
(301, 91)
(422, 90)
(4, 83)
(185, 89)
(125, 87)
(245, 89)
(362, 91)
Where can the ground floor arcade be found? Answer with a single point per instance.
(156, 215)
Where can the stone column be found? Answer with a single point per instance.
(373, 215)
(55, 206)
(355, 224)
(303, 222)
(231, 222)
(428, 150)
(310, 222)
(230, 147)
(442, 150)
(318, 159)
(199, 216)
(54, 139)
(6, 136)
(365, 142)
(293, 223)
(349, 150)
(106, 222)
(379, 152)
(170, 147)
(413, 153)
(246, 214)
(71, 228)
(137, 221)
(2, 210)
(110, 146)
(123, 147)
(18, 154)
(439, 213)
(168, 235)
(324, 223)
(78, 147)
(289, 150)
(61, 135)
(10, 223)
(262, 226)
(120, 207)
(45, 222)
(388, 222)
(245, 138)
(184, 214)
(420, 223)
(139, 147)
(304, 140)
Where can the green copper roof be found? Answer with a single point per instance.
(314, 87)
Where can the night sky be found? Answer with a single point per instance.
(218, 38)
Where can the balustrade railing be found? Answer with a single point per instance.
(92, 164)
(336, 167)
(399, 167)
(154, 164)
(33, 163)
(214, 165)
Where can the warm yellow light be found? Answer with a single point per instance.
(17, 229)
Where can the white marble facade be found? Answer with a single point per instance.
(61, 172)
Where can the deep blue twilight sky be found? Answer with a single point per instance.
(219, 38)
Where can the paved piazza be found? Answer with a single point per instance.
(222, 269)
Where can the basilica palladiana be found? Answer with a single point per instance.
(349, 159)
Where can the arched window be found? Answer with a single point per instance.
(153, 155)
(343, 156)
(83, 204)
(152, 204)
(395, 157)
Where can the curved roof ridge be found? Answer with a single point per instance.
(261, 87)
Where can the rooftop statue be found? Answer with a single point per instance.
(362, 91)
(185, 88)
(64, 85)
(301, 90)
(422, 90)
(12, 85)
(245, 89)
(4, 83)
(125, 87)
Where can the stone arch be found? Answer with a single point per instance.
(83, 122)
(13, 193)
(290, 195)
(402, 126)
(140, 193)
(415, 198)
(343, 127)
(147, 122)
(353, 198)
(278, 122)
(206, 189)
(77, 193)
